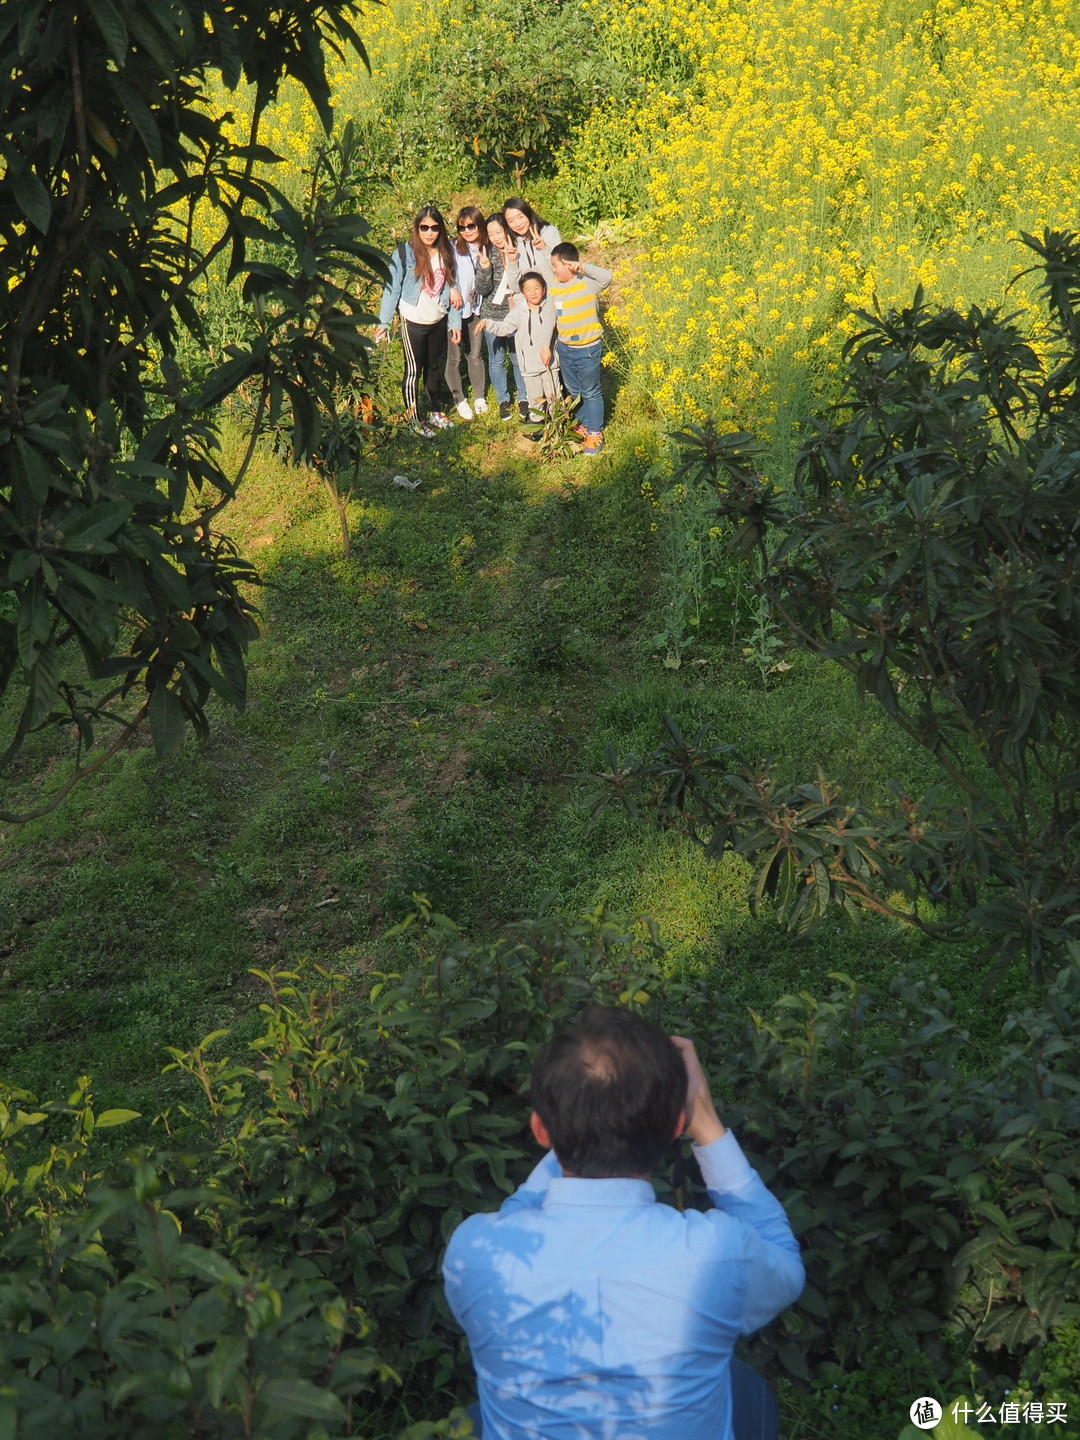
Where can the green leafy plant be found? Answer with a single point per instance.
(121, 604)
(706, 593)
(274, 1259)
(557, 439)
(334, 415)
(511, 109)
(928, 549)
(765, 643)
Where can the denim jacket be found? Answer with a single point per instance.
(403, 285)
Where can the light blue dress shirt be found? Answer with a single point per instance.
(596, 1313)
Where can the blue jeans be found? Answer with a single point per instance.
(580, 366)
(497, 347)
(754, 1412)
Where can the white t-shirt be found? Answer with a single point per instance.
(427, 309)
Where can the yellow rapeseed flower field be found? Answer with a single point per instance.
(793, 158)
(827, 153)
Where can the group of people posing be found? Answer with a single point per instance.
(509, 281)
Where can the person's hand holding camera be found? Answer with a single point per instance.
(703, 1124)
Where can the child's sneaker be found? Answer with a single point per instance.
(523, 411)
(505, 411)
(480, 405)
(464, 409)
(419, 428)
(439, 421)
(580, 432)
(594, 442)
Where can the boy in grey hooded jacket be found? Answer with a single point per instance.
(533, 326)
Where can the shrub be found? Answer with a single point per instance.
(928, 549)
(273, 1260)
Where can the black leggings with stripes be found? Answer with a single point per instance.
(425, 361)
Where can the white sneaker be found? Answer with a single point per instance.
(464, 409)
(439, 421)
(480, 405)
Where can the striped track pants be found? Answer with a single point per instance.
(425, 361)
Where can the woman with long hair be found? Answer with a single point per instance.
(471, 241)
(497, 289)
(533, 237)
(421, 277)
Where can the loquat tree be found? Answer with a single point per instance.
(120, 600)
(929, 549)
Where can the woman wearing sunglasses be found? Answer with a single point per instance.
(421, 276)
(470, 244)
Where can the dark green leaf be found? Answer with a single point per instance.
(301, 1397)
(113, 30)
(33, 200)
(166, 721)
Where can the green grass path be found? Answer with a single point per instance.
(414, 714)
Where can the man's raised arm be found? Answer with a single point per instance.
(775, 1268)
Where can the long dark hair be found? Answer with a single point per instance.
(536, 222)
(499, 219)
(421, 254)
(470, 212)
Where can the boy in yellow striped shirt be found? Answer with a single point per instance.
(579, 342)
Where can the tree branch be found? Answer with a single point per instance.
(10, 817)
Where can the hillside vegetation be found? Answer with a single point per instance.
(403, 804)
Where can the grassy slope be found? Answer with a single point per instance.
(414, 714)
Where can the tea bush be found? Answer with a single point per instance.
(271, 1260)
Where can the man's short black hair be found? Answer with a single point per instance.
(609, 1092)
(565, 251)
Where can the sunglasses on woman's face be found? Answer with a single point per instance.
(468, 225)
(427, 227)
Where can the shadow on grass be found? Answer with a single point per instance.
(414, 712)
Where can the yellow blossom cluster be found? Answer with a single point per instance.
(824, 155)
(289, 127)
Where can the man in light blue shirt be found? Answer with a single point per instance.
(594, 1312)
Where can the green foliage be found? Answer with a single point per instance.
(120, 605)
(809, 849)
(602, 177)
(320, 401)
(308, 343)
(557, 439)
(275, 1259)
(923, 1196)
(1055, 1369)
(706, 595)
(494, 99)
(929, 550)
